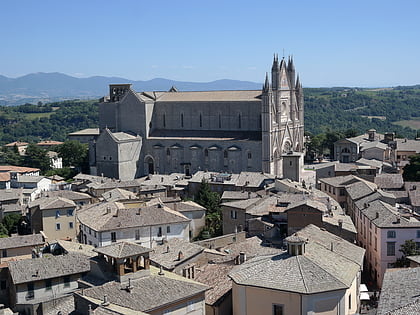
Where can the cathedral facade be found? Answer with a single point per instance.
(145, 133)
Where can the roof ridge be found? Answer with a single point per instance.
(301, 273)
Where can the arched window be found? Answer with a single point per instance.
(168, 152)
(225, 154)
(206, 152)
(249, 155)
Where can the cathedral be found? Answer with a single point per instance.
(145, 133)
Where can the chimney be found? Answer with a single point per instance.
(160, 271)
(175, 206)
(376, 215)
(167, 249)
(340, 224)
(242, 258)
(105, 302)
(180, 255)
(108, 210)
(90, 311)
(398, 220)
(332, 246)
(249, 195)
(129, 287)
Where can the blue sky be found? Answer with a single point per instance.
(334, 43)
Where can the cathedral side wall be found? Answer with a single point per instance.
(174, 155)
(214, 115)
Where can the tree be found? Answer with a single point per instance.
(74, 154)
(10, 222)
(411, 172)
(3, 231)
(409, 248)
(37, 157)
(211, 201)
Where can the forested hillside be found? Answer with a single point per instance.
(32, 123)
(349, 111)
(341, 109)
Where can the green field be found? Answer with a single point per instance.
(32, 116)
(412, 123)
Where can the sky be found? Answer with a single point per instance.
(365, 43)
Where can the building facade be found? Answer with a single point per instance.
(231, 131)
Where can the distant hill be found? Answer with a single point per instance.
(48, 87)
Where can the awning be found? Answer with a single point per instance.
(364, 296)
(363, 288)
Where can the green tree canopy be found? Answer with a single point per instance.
(411, 172)
(74, 154)
(409, 248)
(211, 201)
(10, 222)
(37, 157)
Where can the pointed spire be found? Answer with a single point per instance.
(266, 86)
(283, 64)
(290, 65)
(275, 62)
(297, 81)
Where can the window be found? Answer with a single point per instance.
(137, 235)
(390, 248)
(113, 237)
(168, 152)
(418, 234)
(31, 294)
(94, 232)
(220, 121)
(168, 229)
(164, 120)
(48, 284)
(277, 309)
(391, 234)
(182, 120)
(57, 214)
(201, 121)
(70, 212)
(58, 226)
(349, 301)
(342, 192)
(249, 155)
(239, 121)
(66, 281)
(418, 245)
(70, 225)
(206, 152)
(159, 234)
(90, 231)
(4, 253)
(225, 154)
(233, 214)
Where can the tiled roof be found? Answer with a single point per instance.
(185, 206)
(49, 142)
(108, 216)
(216, 277)
(252, 247)
(45, 203)
(4, 177)
(203, 96)
(68, 194)
(389, 181)
(16, 143)
(10, 194)
(386, 216)
(359, 190)
(122, 250)
(400, 289)
(238, 195)
(169, 259)
(30, 179)
(310, 203)
(19, 169)
(340, 180)
(86, 132)
(408, 145)
(21, 241)
(320, 269)
(147, 293)
(48, 267)
(118, 194)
